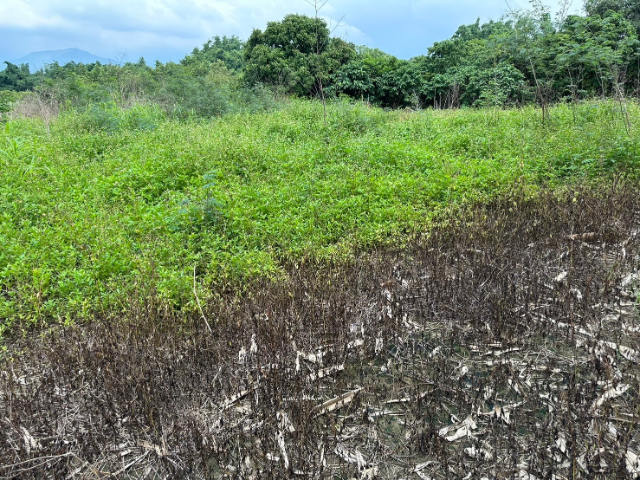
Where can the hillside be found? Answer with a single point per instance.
(38, 60)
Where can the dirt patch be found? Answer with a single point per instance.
(504, 345)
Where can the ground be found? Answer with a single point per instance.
(501, 345)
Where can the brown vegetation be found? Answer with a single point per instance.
(502, 345)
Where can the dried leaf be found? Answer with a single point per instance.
(337, 402)
(609, 394)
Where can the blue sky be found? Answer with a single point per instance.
(168, 29)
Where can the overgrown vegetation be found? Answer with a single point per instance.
(204, 274)
(109, 195)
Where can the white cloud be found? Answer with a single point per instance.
(20, 13)
(170, 28)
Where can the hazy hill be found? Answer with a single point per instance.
(37, 60)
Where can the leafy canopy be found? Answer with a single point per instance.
(295, 55)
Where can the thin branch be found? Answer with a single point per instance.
(44, 459)
(195, 293)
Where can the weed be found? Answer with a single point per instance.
(109, 189)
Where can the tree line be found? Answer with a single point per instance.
(527, 56)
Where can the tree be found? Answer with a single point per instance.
(629, 9)
(594, 52)
(379, 78)
(17, 78)
(228, 50)
(294, 55)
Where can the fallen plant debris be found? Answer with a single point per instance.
(502, 345)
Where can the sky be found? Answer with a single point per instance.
(169, 29)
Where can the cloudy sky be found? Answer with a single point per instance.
(168, 29)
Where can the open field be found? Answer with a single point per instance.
(99, 206)
(291, 256)
(387, 295)
(504, 345)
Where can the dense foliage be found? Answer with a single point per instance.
(295, 55)
(111, 172)
(228, 50)
(110, 196)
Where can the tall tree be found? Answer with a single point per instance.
(228, 50)
(17, 78)
(629, 9)
(295, 54)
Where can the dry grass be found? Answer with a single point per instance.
(503, 346)
(44, 105)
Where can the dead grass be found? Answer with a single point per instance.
(503, 346)
(43, 104)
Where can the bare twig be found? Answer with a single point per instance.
(195, 293)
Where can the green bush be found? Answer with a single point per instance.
(109, 195)
(7, 100)
(109, 118)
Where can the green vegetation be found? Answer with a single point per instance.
(109, 199)
(217, 170)
(294, 55)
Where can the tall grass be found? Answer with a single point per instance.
(96, 203)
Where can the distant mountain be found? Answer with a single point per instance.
(38, 60)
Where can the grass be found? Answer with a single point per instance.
(90, 210)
